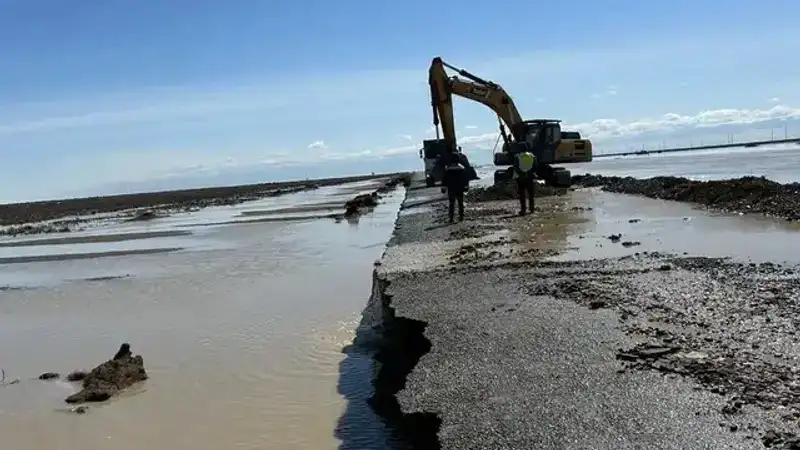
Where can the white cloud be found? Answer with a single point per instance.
(600, 130)
(775, 100)
(406, 137)
(614, 128)
(318, 145)
(471, 127)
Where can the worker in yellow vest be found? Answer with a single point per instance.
(524, 173)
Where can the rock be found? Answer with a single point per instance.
(597, 304)
(77, 375)
(631, 243)
(615, 237)
(83, 409)
(49, 376)
(109, 378)
(646, 351)
(143, 216)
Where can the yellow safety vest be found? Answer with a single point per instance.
(526, 161)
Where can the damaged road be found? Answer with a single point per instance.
(645, 350)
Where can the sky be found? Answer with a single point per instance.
(108, 96)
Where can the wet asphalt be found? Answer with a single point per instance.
(508, 370)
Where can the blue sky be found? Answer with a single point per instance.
(101, 96)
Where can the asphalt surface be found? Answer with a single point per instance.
(511, 370)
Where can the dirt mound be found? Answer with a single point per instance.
(111, 377)
(508, 192)
(752, 195)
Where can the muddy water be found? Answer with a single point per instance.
(583, 220)
(241, 327)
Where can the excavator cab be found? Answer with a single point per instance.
(540, 137)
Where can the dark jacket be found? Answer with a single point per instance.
(455, 177)
(447, 158)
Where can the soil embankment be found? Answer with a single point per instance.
(647, 350)
(508, 191)
(67, 215)
(749, 195)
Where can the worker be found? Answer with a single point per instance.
(455, 182)
(524, 172)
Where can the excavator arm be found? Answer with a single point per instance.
(476, 89)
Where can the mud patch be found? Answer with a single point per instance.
(94, 255)
(100, 238)
(508, 191)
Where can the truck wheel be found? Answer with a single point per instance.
(429, 182)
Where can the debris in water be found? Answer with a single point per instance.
(111, 377)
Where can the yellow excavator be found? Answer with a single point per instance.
(542, 137)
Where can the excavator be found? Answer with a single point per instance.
(542, 137)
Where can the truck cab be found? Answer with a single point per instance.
(430, 152)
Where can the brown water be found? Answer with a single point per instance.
(241, 330)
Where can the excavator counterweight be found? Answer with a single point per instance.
(542, 137)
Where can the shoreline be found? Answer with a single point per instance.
(468, 304)
(63, 216)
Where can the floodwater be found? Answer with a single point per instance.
(241, 325)
(584, 219)
(780, 163)
(242, 313)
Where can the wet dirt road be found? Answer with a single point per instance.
(524, 319)
(241, 325)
